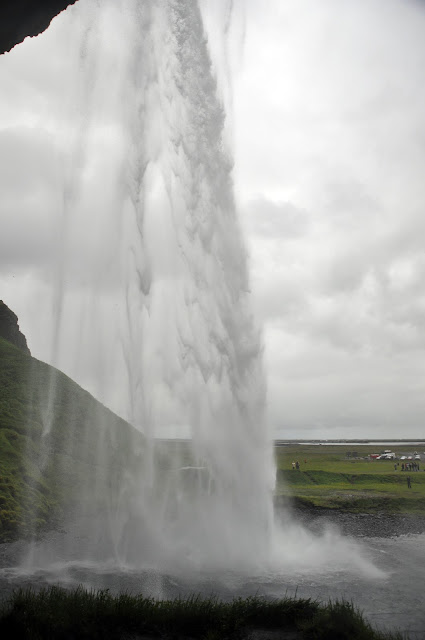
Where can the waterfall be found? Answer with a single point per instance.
(152, 301)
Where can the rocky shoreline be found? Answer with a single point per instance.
(358, 525)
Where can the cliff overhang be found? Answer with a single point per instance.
(22, 18)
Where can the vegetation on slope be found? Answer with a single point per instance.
(59, 614)
(50, 429)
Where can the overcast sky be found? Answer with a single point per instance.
(328, 126)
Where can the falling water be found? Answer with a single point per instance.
(150, 314)
(151, 305)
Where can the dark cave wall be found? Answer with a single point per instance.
(21, 18)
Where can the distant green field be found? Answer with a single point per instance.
(328, 478)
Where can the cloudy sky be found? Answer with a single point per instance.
(328, 126)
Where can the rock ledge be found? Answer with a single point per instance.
(9, 328)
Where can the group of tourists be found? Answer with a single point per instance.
(410, 466)
(296, 465)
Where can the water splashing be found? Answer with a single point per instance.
(152, 287)
(152, 311)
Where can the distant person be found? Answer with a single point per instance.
(293, 466)
(402, 466)
(395, 467)
(409, 484)
(297, 464)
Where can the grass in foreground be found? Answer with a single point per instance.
(59, 614)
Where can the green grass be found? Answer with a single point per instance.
(59, 614)
(329, 479)
(50, 429)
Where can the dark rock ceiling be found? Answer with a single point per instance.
(21, 18)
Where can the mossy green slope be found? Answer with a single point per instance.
(58, 446)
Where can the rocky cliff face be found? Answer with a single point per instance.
(21, 18)
(9, 328)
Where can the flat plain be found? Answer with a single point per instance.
(328, 477)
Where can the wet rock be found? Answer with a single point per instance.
(273, 634)
(359, 525)
(9, 328)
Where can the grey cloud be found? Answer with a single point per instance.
(26, 244)
(275, 219)
(330, 129)
(342, 297)
(281, 301)
(408, 236)
(348, 202)
(344, 273)
(335, 391)
(28, 160)
(29, 200)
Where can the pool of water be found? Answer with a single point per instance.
(391, 594)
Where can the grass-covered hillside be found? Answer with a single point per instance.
(327, 477)
(58, 446)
